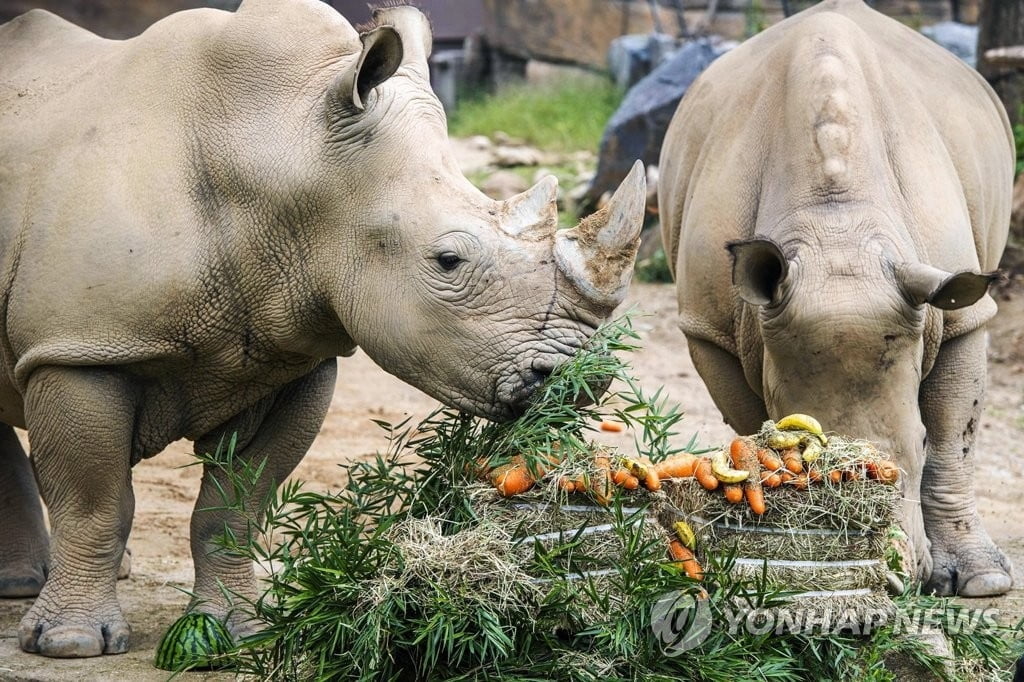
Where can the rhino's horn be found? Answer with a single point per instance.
(532, 214)
(597, 255)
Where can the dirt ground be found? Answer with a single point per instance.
(166, 489)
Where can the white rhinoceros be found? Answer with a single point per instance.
(195, 223)
(851, 180)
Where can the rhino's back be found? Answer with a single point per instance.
(917, 135)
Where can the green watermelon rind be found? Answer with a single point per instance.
(195, 640)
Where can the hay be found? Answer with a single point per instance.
(811, 576)
(849, 506)
(474, 566)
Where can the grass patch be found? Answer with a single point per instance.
(565, 118)
(404, 576)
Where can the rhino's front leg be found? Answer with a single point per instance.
(24, 556)
(965, 559)
(280, 429)
(80, 424)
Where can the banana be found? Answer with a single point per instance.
(783, 440)
(799, 422)
(811, 449)
(685, 534)
(723, 471)
(802, 422)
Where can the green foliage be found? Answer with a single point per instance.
(653, 269)
(567, 117)
(346, 598)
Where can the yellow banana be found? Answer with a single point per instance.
(799, 422)
(802, 422)
(783, 440)
(685, 534)
(722, 470)
(812, 449)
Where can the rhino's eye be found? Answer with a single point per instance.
(448, 261)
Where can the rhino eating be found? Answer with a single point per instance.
(194, 224)
(835, 194)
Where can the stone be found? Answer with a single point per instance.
(505, 156)
(503, 184)
(633, 56)
(637, 128)
(960, 39)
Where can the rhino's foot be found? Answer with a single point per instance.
(974, 568)
(87, 629)
(23, 576)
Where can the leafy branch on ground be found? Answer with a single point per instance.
(403, 575)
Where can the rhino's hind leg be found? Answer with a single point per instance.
(81, 423)
(722, 372)
(24, 552)
(965, 560)
(278, 431)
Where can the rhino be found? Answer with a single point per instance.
(195, 224)
(835, 195)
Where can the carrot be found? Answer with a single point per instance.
(851, 475)
(768, 459)
(651, 481)
(791, 460)
(676, 466)
(685, 559)
(745, 455)
(770, 479)
(738, 451)
(703, 474)
(600, 480)
(733, 493)
(755, 498)
(835, 475)
(619, 476)
(800, 482)
(814, 475)
(614, 427)
(623, 478)
(567, 485)
(883, 470)
(511, 479)
(785, 476)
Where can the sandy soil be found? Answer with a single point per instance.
(166, 489)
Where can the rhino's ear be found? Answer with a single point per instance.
(381, 56)
(949, 291)
(758, 266)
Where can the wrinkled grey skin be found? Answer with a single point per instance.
(860, 177)
(194, 224)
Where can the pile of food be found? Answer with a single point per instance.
(811, 513)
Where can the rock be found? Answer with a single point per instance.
(631, 57)
(504, 184)
(960, 39)
(500, 137)
(637, 128)
(481, 142)
(506, 155)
